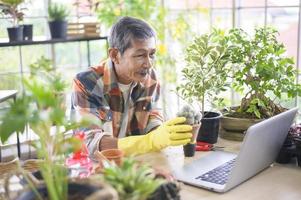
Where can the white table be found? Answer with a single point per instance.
(275, 183)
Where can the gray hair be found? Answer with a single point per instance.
(127, 29)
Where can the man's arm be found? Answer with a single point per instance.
(84, 102)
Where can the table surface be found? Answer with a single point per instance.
(6, 94)
(276, 182)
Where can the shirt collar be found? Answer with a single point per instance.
(110, 78)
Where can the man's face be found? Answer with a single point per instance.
(136, 61)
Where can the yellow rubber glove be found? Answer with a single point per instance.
(170, 133)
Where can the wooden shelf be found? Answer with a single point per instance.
(50, 41)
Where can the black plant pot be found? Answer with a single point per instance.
(75, 191)
(298, 149)
(169, 190)
(209, 128)
(15, 34)
(287, 151)
(27, 32)
(189, 150)
(58, 29)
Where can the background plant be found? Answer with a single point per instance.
(57, 12)
(132, 180)
(263, 72)
(11, 9)
(207, 71)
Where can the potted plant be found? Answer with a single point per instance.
(193, 118)
(11, 9)
(57, 20)
(136, 181)
(40, 108)
(205, 76)
(263, 74)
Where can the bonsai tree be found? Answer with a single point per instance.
(11, 9)
(263, 72)
(206, 71)
(57, 20)
(40, 108)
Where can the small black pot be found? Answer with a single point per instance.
(15, 34)
(58, 29)
(27, 32)
(209, 127)
(189, 150)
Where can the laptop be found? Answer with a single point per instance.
(221, 171)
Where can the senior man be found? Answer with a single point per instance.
(123, 92)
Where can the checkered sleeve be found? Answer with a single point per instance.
(84, 101)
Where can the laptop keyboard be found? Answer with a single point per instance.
(218, 175)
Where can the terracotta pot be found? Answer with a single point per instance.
(115, 155)
(195, 131)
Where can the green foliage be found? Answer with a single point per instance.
(41, 65)
(41, 108)
(192, 116)
(132, 181)
(261, 68)
(207, 70)
(43, 68)
(11, 9)
(16, 118)
(57, 12)
(110, 10)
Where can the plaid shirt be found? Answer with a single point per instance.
(96, 91)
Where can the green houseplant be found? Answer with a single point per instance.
(204, 77)
(262, 73)
(41, 109)
(57, 20)
(11, 8)
(132, 181)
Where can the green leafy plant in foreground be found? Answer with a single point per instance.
(132, 180)
(40, 107)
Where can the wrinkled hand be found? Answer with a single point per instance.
(171, 133)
